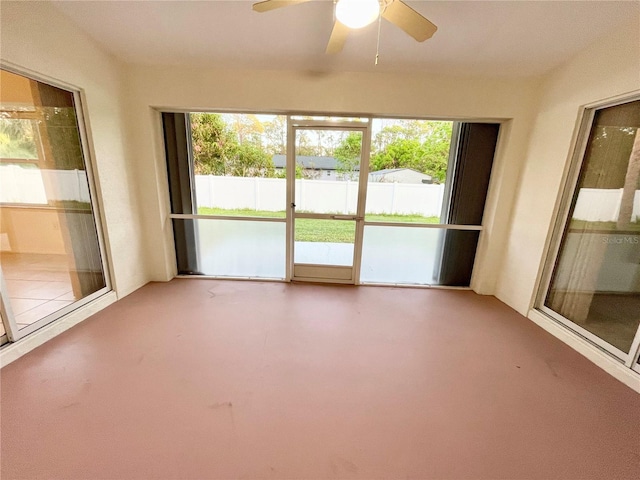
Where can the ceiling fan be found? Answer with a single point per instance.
(351, 14)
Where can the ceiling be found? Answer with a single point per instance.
(497, 38)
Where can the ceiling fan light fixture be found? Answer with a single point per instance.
(357, 13)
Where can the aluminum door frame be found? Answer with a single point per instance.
(293, 125)
(13, 333)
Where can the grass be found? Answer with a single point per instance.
(333, 231)
(401, 218)
(71, 205)
(319, 230)
(600, 227)
(240, 212)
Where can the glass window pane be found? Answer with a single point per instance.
(418, 256)
(327, 170)
(238, 248)
(324, 242)
(48, 238)
(596, 279)
(18, 139)
(239, 164)
(407, 171)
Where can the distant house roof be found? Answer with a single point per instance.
(308, 161)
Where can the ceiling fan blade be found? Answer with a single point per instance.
(405, 17)
(268, 5)
(338, 38)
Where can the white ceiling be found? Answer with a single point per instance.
(504, 38)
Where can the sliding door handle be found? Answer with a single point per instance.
(344, 217)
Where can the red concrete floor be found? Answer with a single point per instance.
(204, 379)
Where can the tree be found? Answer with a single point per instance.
(304, 147)
(348, 155)
(248, 128)
(213, 143)
(435, 150)
(631, 184)
(251, 161)
(401, 153)
(301, 172)
(393, 133)
(17, 139)
(275, 133)
(418, 144)
(218, 151)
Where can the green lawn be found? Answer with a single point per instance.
(315, 230)
(401, 218)
(334, 231)
(600, 227)
(240, 212)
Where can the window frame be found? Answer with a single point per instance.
(569, 184)
(302, 119)
(13, 334)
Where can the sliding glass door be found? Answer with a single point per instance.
(592, 280)
(51, 258)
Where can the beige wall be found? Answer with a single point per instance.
(32, 230)
(539, 118)
(608, 68)
(389, 94)
(36, 37)
(128, 147)
(15, 89)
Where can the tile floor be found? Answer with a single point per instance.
(38, 285)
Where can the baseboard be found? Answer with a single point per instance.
(584, 347)
(13, 351)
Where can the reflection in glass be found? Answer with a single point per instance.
(237, 248)
(48, 239)
(18, 138)
(239, 164)
(407, 171)
(324, 242)
(596, 279)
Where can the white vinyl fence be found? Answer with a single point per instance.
(391, 198)
(35, 186)
(600, 205)
(327, 196)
